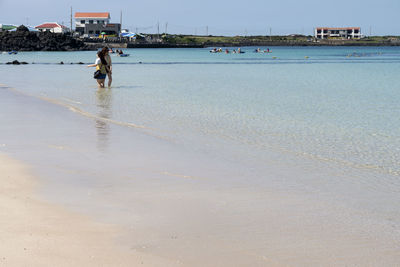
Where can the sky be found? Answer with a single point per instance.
(217, 17)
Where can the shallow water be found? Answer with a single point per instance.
(330, 106)
(224, 139)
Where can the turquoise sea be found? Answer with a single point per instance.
(322, 122)
(340, 104)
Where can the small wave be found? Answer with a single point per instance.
(178, 175)
(147, 130)
(72, 101)
(90, 115)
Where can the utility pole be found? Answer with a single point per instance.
(120, 24)
(270, 34)
(370, 31)
(166, 27)
(71, 19)
(158, 29)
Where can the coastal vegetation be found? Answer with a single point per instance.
(288, 40)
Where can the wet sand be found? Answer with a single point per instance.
(35, 232)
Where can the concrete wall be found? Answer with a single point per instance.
(54, 30)
(99, 28)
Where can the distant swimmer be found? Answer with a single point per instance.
(215, 50)
(226, 51)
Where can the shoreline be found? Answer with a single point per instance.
(95, 46)
(23, 40)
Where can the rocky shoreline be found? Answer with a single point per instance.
(16, 62)
(24, 40)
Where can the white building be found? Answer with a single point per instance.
(52, 27)
(337, 33)
(82, 18)
(94, 23)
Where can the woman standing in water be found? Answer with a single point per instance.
(101, 66)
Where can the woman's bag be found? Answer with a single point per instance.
(97, 74)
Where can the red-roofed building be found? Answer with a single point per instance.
(95, 23)
(93, 15)
(337, 33)
(52, 27)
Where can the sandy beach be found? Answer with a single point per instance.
(34, 232)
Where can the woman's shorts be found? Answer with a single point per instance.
(101, 77)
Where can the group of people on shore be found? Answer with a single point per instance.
(103, 66)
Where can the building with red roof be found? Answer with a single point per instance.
(93, 15)
(95, 23)
(52, 27)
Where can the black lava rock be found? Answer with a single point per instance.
(22, 28)
(16, 62)
(24, 40)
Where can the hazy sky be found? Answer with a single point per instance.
(222, 17)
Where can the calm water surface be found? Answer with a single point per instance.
(339, 104)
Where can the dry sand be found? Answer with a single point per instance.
(36, 233)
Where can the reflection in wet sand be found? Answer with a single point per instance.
(104, 110)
